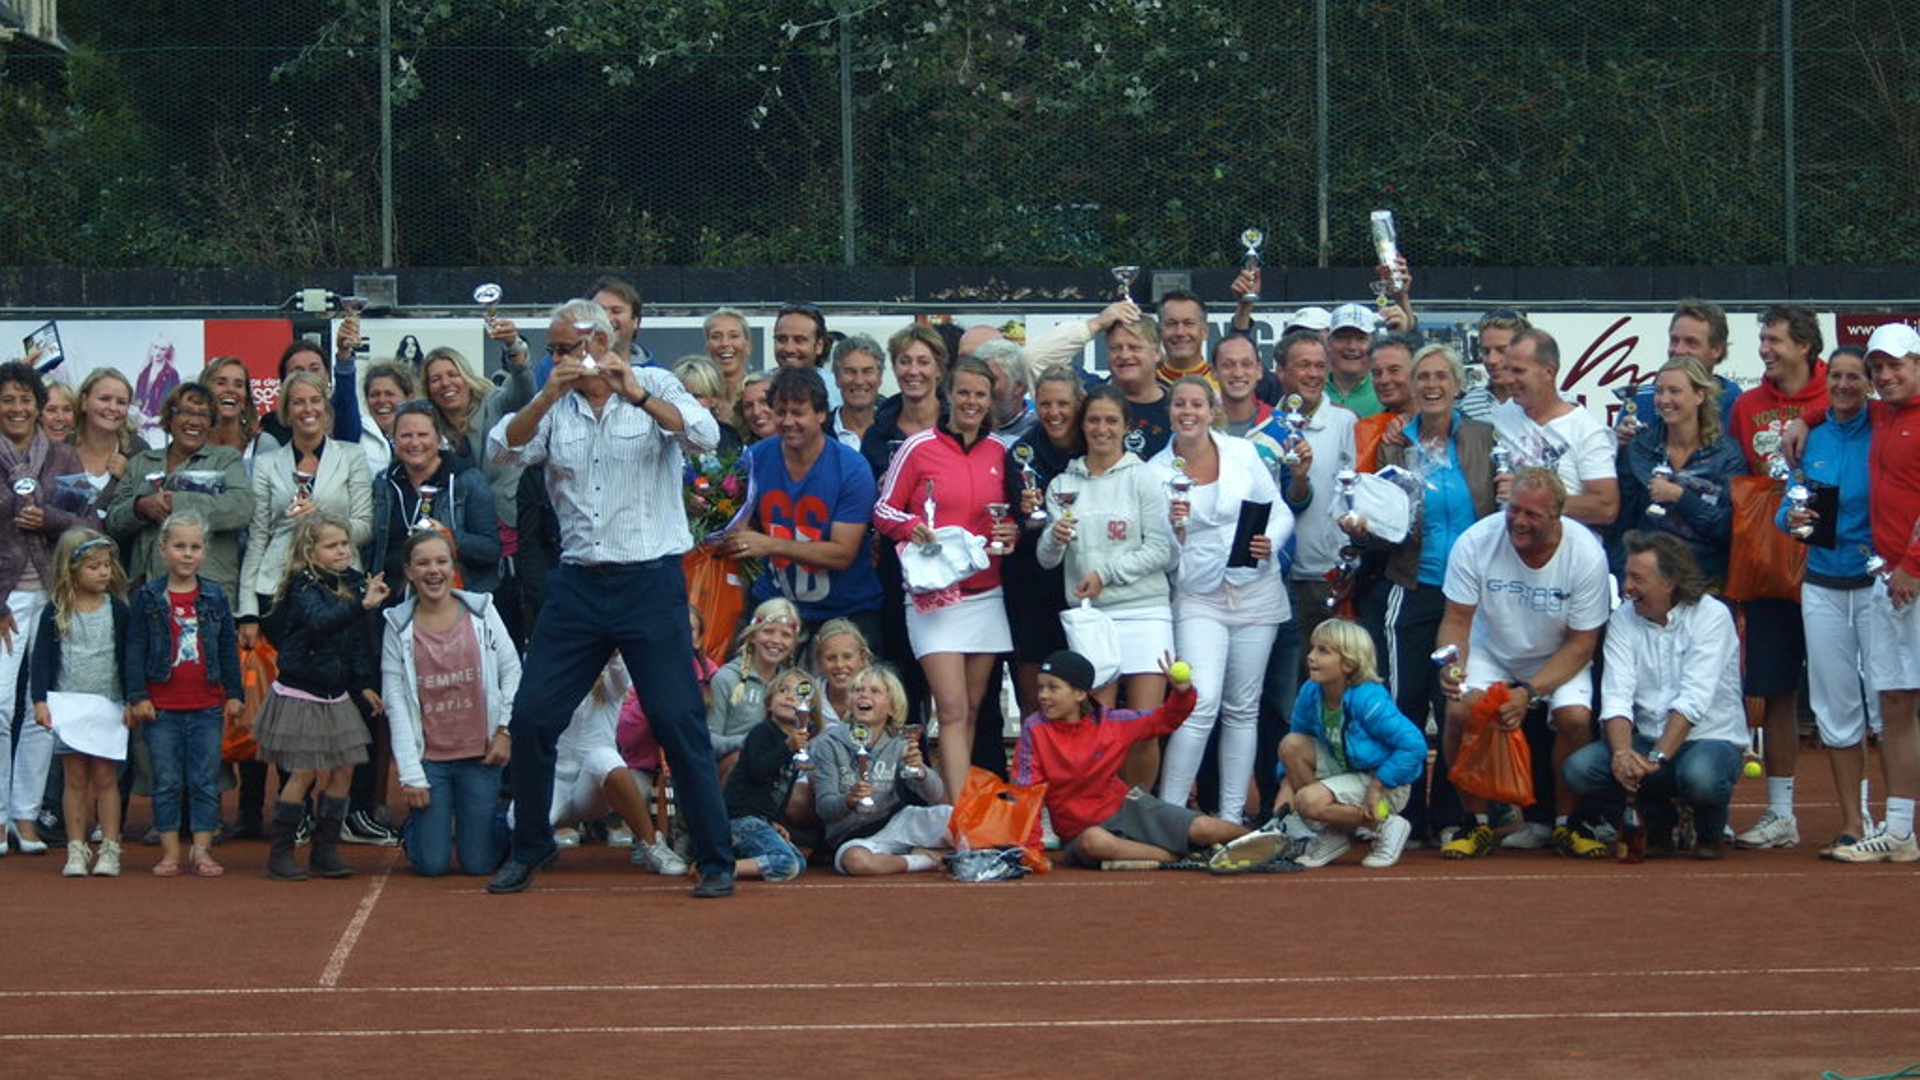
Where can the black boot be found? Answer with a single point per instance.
(281, 865)
(324, 860)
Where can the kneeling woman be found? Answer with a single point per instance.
(1351, 755)
(448, 673)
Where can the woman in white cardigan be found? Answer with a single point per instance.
(449, 673)
(1224, 619)
(311, 472)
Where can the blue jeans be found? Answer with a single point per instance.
(186, 750)
(463, 816)
(640, 610)
(754, 838)
(1701, 774)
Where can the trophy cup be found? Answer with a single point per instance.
(1801, 499)
(302, 486)
(1296, 422)
(1386, 247)
(1777, 468)
(1345, 481)
(1251, 240)
(1874, 564)
(803, 716)
(932, 546)
(487, 296)
(863, 767)
(911, 733)
(355, 306)
(24, 489)
(1633, 831)
(1180, 485)
(425, 518)
(1662, 471)
(1031, 480)
(1628, 423)
(1125, 275)
(585, 329)
(997, 512)
(1343, 574)
(1063, 496)
(157, 481)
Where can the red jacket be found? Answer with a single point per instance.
(1080, 761)
(964, 481)
(1893, 464)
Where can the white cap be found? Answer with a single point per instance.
(1309, 318)
(1894, 339)
(1354, 317)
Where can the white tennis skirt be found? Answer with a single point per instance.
(977, 624)
(1145, 634)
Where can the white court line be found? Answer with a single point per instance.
(981, 984)
(1023, 1023)
(343, 949)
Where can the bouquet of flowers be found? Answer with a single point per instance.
(716, 489)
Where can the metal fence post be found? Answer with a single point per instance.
(386, 133)
(847, 214)
(1788, 193)
(1321, 108)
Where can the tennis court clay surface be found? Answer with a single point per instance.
(1767, 964)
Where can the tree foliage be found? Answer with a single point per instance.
(986, 132)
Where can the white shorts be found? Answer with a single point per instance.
(912, 827)
(1349, 788)
(977, 624)
(1145, 634)
(1483, 671)
(1893, 643)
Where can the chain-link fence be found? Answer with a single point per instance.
(990, 133)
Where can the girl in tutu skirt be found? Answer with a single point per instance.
(320, 622)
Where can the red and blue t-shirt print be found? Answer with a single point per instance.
(839, 488)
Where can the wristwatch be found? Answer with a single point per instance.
(1522, 684)
(1656, 755)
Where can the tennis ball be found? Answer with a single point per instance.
(1383, 810)
(1181, 671)
(1751, 770)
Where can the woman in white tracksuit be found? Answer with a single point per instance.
(449, 672)
(1117, 547)
(1224, 620)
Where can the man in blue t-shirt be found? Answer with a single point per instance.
(809, 506)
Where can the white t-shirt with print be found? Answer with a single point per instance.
(1577, 445)
(1523, 614)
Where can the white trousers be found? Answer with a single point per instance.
(1229, 668)
(27, 753)
(1838, 628)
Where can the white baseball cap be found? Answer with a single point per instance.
(1309, 318)
(1354, 317)
(1894, 339)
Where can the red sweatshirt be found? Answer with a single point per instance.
(1759, 415)
(1080, 760)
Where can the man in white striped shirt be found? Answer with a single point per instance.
(610, 437)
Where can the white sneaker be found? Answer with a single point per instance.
(1390, 839)
(1325, 848)
(1049, 839)
(620, 837)
(1880, 847)
(1529, 837)
(1773, 830)
(79, 861)
(659, 858)
(107, 863)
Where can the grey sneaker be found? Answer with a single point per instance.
(1880, 847)
(659, 858)
(1531, 836)
(1773, 830)
(107, 863)
(1325, 848)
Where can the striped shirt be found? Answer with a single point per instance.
(616, 479)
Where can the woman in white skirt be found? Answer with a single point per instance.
(1116, 544)
(947, 475)
(1224, 619)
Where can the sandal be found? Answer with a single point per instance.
(167, 868)
(201, 860)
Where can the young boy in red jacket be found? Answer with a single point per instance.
(1077, 748)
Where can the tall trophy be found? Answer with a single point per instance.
(1388, 281)
(585, 328)
(425, 518)
(1125, 275)
(1180, 489)
(1345, 481)
(803, 716)
(911, 733)
(302, 486)
(1295, 422)
(932, 546)
(863, 767)
(1628, 423)
(1662, 471)
(488, 297)
(997, 513)
(1251, 240)
(1800, 499)
(1030, 479)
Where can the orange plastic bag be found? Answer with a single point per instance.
(259, 666)
(1765, 562)
(718, 589)
(993, 813)
(1494, 763)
